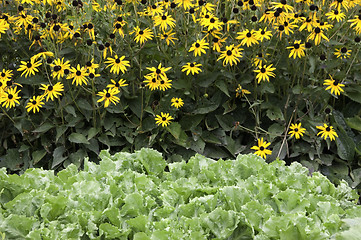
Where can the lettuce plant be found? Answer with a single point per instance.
(139, 196)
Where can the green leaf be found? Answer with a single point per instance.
(222, 223)
(353, 91)
(38, 155)
(175, 129)
(152, 160)
(92, 132)
(110, 231)
(205, 108)
(44, 127)
(60, 130)
(84, 104)
(354, 123)
(58, 156)
(78, 138)
(345, 145)
(70, 109)
(222, 86)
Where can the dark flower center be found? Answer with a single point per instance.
(154, 80)
(141, 32)
(33, 102)
(163, 119)
(296, 46)
(107, 95)
(118, 25)
(57, 68)
(117, 85)
(164, 17)
(50, 88)
(162, 82)
(263, 70)
(191, 65)
(229, 52)
(249, 35)
(78, 73)
(10, 96)
(261, 148)
(3, 74)
(212, 20)
(91, 75)
(317, 30)
(335, 12)
(158, 71)
(295, 130)
(281, 28)
(197, 45)
(328, 129)
(259, 55)
(117, 60)
(29, 65)
(215, 40)
(343, 50)
(9, 83)
(335, 83)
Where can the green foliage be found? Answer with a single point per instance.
(213, 121)
(140, 196)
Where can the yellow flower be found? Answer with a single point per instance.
(164, 84)
(10, 97)
(117, 64)
(78, 75)
(240, 92)
(117, 85)
(29, 68)
(335, 15)
(5, 75)
(185, 3)
(52, 91)
(327, 131)
(342, 53)
(35, 103)
(158, 72)
(264, 72)
(317, 35)
(108, 96)
(261, 149)
(296, 130)
(334, 85)
(231, 55)
(163, 119)
(199, 47)
(164, 21)
(248, 37)
(177, 102)
(151, 82)
(141, 36)
(4, 26)
(297, 49)
(192, 68)
(168, 37)
(59, 67)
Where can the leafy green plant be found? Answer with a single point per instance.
(141, 196)
(261, 68)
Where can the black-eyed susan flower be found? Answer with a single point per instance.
(4, 26)
(6, 75)
(297, 130)
(342, 53)
(158, 72)
(117, 85)
(185, 3)
(164, 84)
(108, 96)
(199, 47)
(264, 72)
(79, 75)
(283, 5)
(141, 36)
(241, 92)
(335, 15)
(155, 9)
(59, 67)
(29, 68)
(259, 59)
(334, 85)
(177, 102)
(327, 132)
(231, 55)
(308, 24)
(261, 148)
(338, 4)
(297, 49)
(262, 34)
(248, 37)
(10, 97)
(168, 37)
(163, 119)
(192, 68)
(91, 66)
(317, 35)
(218, 43)
(117, 64)
(164, 21)
(356, 23)
(151, 82)
(35, 103)
(52, 91)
